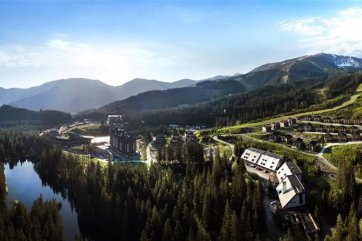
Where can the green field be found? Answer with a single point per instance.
(352, 153)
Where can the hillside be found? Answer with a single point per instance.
(74, 95)
(257, 104)
(175, 97)
(12, 116)
(306, 68)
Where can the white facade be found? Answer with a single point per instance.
(270, 161)
(288, 169)
(291, 192)
(266, 160)
(252, 155)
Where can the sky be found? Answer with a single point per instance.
(116, 41)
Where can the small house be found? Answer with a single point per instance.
(308, 127)
(342, 137)
(266, 128)
(275, 126)
(283, 124)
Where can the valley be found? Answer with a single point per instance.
(174, 163)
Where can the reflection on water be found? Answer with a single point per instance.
(25, 185)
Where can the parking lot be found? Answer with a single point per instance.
(259, 171)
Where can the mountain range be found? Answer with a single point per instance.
(306, 69)
(78, 94)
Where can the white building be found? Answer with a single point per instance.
(288, 169)
(291, 192)
(270, 161)
(266, 160)
(252, 155)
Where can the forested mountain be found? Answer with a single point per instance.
(13, 116)
(175, 97)
(77, 94)
(313, 68)
(226, 110)
(308, 72)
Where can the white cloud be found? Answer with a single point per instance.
(340, 34)
(112, 63)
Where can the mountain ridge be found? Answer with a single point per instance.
(78, 94)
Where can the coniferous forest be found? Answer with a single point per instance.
(214, 201)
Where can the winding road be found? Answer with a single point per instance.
(325, 162)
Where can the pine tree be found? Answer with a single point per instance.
(352, 229)
(167, 231)
(224, 234)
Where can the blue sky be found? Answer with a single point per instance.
(115, 41)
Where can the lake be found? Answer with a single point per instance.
(25, 185)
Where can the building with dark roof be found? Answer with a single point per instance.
(288, 168)
(291, 192)
(123, 141)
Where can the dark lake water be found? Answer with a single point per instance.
(25, 185)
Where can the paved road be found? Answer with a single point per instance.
(232, 146)
(331, 124)
(325, 162)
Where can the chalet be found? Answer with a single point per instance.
(264, 159)
(317, 118)
(283, 124)
(123, 141)
(342, 137)
(330, 129)
(354, 129)
(312, 146)
(326, 119)
(299, 143)
(275, 137)
(292, 121)
(356, 136)
(319, 128)
(275, 126)
(291, 192)
(287, 139)
(342, 129)
(308, 118)
(328, 138)
(288, 168)
(346, 121)
(266, 128)
(357, 121)
(308, 127)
